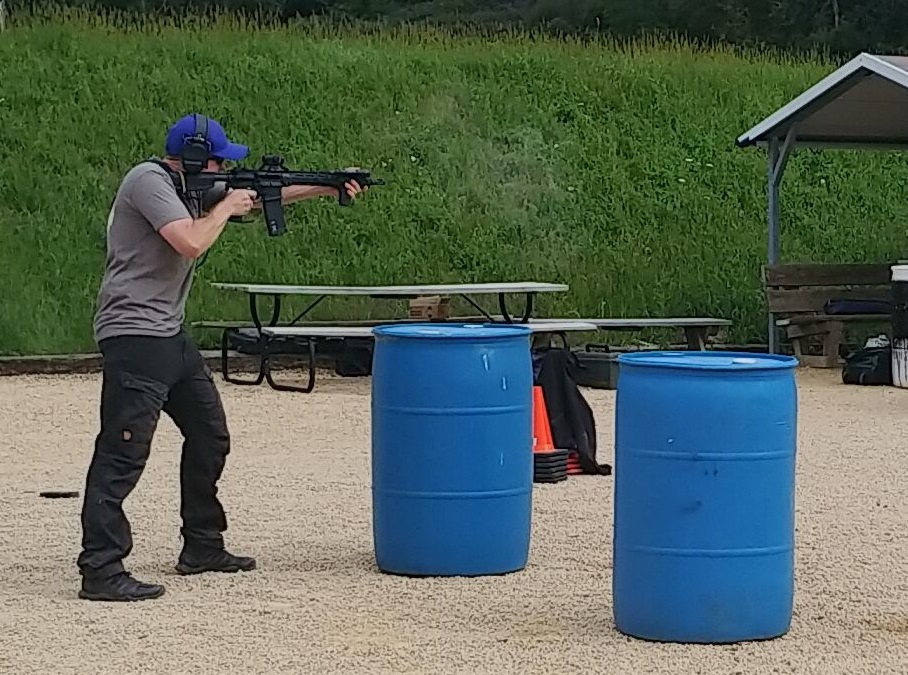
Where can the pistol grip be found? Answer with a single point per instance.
(342, 197)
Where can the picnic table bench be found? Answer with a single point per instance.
(308, 333)
(696, 329)
(814, 302)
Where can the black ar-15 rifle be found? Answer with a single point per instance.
(269, 179)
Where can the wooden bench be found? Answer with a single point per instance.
(696, 329)
(798, 294)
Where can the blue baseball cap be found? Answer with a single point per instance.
(218, 143)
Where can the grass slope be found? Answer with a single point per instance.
(609, 167)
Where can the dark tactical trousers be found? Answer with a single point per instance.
(142, 377)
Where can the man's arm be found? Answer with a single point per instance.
(296, 193)
(155, 196)
(192, 237)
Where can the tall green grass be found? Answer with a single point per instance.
(610, 167)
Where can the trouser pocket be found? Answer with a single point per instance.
(130, 410)
(131, 406)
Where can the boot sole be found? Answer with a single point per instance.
(105, 597)
(187, 569)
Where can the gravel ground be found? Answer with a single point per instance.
(297, 493)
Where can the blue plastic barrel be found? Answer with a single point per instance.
(704, 496)
(452, 464)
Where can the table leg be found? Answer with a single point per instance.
(264, 345)
(502, 306)
(263, 357)
(527, 310)
(545, 341)
(307, 310)
(310, 385)
(477, 306)
(696, 337)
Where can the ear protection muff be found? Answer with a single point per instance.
(196, 149)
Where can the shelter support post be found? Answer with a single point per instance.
(777, 160)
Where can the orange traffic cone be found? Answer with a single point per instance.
(549, 464)
(573, 465)
(542, 432)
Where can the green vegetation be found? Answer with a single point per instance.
(837, 26)
(610, 167)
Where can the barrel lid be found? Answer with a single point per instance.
(453, 330)
(709, 360)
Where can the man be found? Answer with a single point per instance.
(151, 365)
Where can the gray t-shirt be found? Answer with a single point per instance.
(146, 281)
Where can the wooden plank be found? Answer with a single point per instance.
(800, 330)
(820, 361)
(814, 299)
(820, 274)
(396, 291)
(843, 318)
(828, 327)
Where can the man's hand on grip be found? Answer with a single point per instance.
(241, 202)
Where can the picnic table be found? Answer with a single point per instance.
(359, 329)
(276, 291)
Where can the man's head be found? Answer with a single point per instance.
(201, 143)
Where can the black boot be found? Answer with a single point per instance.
(120, 587)
(213, 561)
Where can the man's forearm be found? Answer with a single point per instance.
(295, 193)
(204, 231)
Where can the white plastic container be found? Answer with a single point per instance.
(900, 325)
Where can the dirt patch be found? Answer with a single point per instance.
(297, 492)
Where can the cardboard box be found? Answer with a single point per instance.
(430, 308)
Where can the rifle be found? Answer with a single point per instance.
(269, 179)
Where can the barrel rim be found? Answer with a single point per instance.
(733, 361)
(455, 331)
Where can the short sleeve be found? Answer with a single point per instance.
(155, 197)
